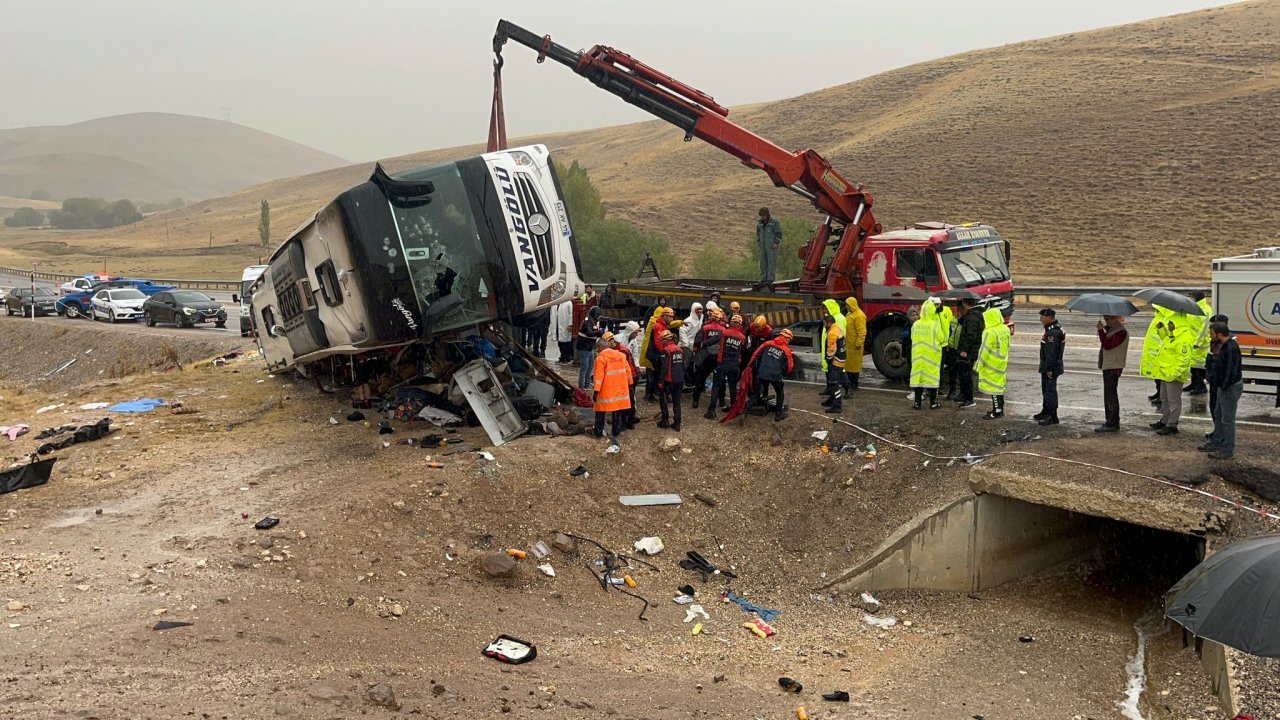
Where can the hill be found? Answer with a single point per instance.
(148, 156)
(1132, 153)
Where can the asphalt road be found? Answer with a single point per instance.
(224, 297)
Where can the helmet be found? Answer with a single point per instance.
(665, 336)
(786, 333)
(607, 336)
(760, 321)
(668, 311)
(735, 306)
(736, 320)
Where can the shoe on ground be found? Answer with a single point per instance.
(1107, 429)
(1040, 415)
(1157, 425)
(779, 417)
(1219, 455)
(1154, 397)
(915, 405)
(967, 404)
(824, 393)
(1208, 435)
(1048, 420)
(826, 403)
(992, 415)
(664, 424)
(695, 402)
(834, 409)
(709, 414)
(676, 427)
(1167, 430)
(935, 405)
(1207, 447)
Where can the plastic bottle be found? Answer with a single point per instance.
(627, 579)
(513, 552)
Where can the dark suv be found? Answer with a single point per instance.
(18, 302)
(184, 308)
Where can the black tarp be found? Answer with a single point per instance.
(26, 476)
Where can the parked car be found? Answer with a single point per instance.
(80, 284)
(184, 308)
(18, 302)
(118, 304)
(79, 304)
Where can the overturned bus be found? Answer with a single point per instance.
(404, 257)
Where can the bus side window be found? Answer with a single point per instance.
(327, 279)
(269, 321)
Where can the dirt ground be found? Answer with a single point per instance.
(372, 576)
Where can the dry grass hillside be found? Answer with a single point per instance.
(1125, 154)
(148, 156)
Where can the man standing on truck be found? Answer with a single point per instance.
(1114, 339)
(967, 345)
(1053, 345)
(769, 237)
(1226, 376)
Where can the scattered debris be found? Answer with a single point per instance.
(1027, 638)
(694, 611)
(511, 650)
(266, 523)
(354, 416)
(789, 685)
(881, 622)
(563, 543)
(498, 564)
(836, 696)
(649, 545)
(870, 603)
(547, 569)
(765, 614)
(142, 405)
(16, 606)
(670, 444)
(580, 470)
(682, 599)
(820, 435)
(333, 420)
(171, 624)
(48, 408)
(382, 695)
(540, 550)
(517, 553)
(642, 500)
(704, 499)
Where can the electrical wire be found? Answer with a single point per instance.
(969, 458)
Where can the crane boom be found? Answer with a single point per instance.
(805, 172)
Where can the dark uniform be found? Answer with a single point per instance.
(1052, 346)
(728, 370)
(773, 362)
(672, 360)
(969, 342)
(706, 347)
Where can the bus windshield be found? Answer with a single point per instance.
(975, 265)
(441, 247)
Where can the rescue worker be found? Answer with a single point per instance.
(833, 311)
(967, 344)
(612, 378)
(1151, 349)
(1112, 357)
(993, 360)
(735, 308)
(1053, 345)
(728, 368)
(769, 239)
(692, 325)
(672, 361)
(706, 348)
(1172, 367)
(589, 332)
(834, 354)
(950, 353)
(662, 316)
(926, 354)
(855, 342)
(771, 363)
(624, 342)
(758, 334)
(1200, 349)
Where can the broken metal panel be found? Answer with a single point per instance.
(489, 401)
(641, 500)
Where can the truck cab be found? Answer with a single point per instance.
(900, 268)
(1246, 288)
(243, 298)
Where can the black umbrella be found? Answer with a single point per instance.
(1101, 304)
(958, 294)
(1233, 597)
(1170, 300)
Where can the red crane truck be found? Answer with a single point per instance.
(850, 255)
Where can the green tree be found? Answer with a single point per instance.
(40, 195)
(264, 224)
(120, 212)
(25, 217)
(77, 213)
(609, 247)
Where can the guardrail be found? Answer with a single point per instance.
(232, 285)
(1042, 293)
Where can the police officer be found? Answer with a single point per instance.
(1053, 344)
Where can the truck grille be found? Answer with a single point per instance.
(531, 204)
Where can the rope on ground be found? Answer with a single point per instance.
(970, 458)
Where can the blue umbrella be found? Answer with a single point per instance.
(1101, 304)
(1233, 597)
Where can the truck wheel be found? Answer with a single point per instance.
(888, 354)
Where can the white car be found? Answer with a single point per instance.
(79, 285)
(118, 304)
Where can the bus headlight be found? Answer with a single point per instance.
(522, 158)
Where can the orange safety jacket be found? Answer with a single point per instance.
(613, 377)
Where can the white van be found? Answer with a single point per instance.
(402, 257)
(244, 299)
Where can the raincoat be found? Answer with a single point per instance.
(1151, 344)
(646, 344)
(1173, 361)
(833, 308)
(855, 335)
(926, 347)
(692, 325)
(1200, 323)
(993, 355)
(612, 381)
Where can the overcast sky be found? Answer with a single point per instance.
(377, 78)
